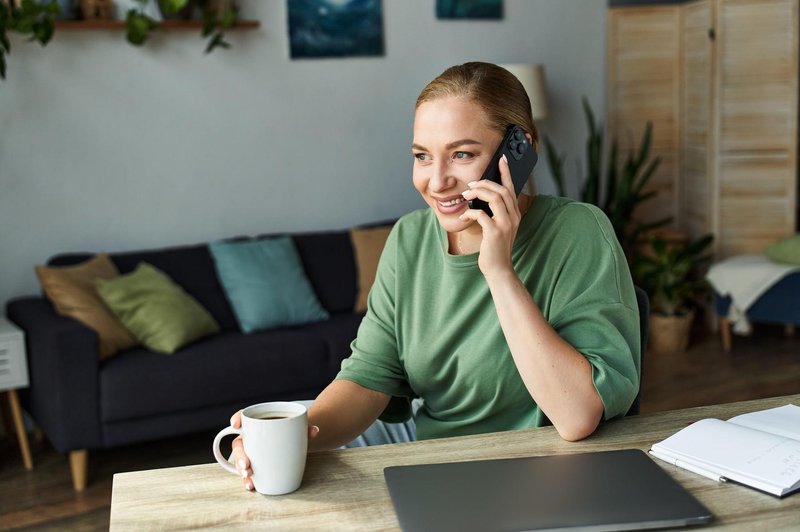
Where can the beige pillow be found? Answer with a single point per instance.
(368, 246)
(72, 291)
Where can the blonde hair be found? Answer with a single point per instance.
(496, 90)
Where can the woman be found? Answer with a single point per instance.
(517, 320)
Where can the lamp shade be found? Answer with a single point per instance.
(532, 78)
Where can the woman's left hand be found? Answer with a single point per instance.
(499, 230)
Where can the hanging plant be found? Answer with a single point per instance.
(36, 19)
(217, 17)
(29, 18)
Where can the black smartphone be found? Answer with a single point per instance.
(521, 157)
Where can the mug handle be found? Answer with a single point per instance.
(227, 431)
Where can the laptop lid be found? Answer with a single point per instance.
(610, 490)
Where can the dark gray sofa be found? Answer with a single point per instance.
(82, 403)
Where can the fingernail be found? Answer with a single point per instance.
(462, 217)
(250, 486)
(315, 429)
(242, 465)
(472, 183)
(505, 159)
(467, 193)
(244, 473)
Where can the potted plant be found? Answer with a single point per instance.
(618, 191)
(671, 277)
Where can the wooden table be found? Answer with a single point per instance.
(345, 489)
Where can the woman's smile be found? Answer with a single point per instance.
(451, 205)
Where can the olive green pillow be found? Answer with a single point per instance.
(786, 250)
(159, 313)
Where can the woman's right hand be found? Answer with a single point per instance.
(239, 458)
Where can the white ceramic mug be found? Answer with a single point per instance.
(276, 442)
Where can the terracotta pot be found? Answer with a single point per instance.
(669, 333)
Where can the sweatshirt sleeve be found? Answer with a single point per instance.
(594, 306)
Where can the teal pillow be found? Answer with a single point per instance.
(156, 310)
(265, 284)
(786, 250)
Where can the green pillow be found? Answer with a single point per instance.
(155, 309)
(265, 284)
(786, 250)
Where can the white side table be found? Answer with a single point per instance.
(13, 375)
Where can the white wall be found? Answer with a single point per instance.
(108, 147)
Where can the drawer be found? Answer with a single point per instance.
(13, 365)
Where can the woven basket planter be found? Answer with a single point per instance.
(669, 333)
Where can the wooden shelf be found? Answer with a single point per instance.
(167, 24)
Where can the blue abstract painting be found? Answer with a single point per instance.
(335, 28)
(466, 9)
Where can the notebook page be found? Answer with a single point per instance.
(736, 452)
(783, 421)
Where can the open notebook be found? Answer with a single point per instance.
(760, 449)
(612, 490)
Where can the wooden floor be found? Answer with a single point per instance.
(765, 365)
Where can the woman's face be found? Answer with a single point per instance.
(452, 146)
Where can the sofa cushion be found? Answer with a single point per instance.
(367, 245)
(219, 370)
(72, 292)
(155, 309)
(786, 250)
(265, 284)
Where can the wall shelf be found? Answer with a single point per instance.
(166, 24)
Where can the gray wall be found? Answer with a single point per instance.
(108, 147)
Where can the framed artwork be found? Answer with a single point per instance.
(335, 28)
(469, 9)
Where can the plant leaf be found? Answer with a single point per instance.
(228, 18)
(644, 147)
(138, 27)
(611, 203)
(172, 6)
(556, 164)
(5, 44)
(209, 23)
(217, 41)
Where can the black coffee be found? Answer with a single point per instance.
(273, 415)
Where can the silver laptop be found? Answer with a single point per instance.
(611, 490)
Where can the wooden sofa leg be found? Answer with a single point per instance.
(22, 431)
(79, 463)
(725, 332)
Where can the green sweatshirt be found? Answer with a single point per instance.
(431, 329)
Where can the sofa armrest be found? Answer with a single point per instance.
(63, 363)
